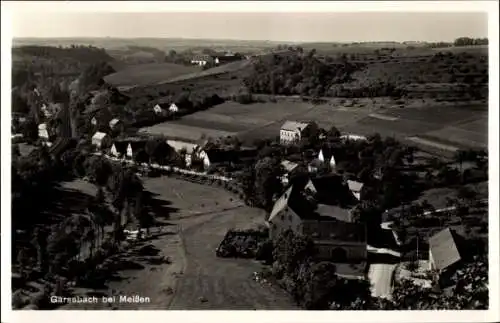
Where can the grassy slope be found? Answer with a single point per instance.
(148, 74)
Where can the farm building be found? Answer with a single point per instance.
(202, 60)
(315, 165)
(292, 131)
(444, 253)
(101, 140)
(227, 58)
(119, 149)
(173, 108)
(61, 145)
(326, 156)
(136, 150)
(330, 189)
(115, 124)
(93, 121)
(44, 132)
(335, 239)
(216, 157)
(356, 189)
(353, 137)
(186, 148)
(158, 109)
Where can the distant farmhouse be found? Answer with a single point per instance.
(326, 156)
(216, 59)
(336, 238)
(293, 131)
(173, 108)
(187, 149)
(136, 150)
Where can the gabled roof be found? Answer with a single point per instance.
(281, 203)
(179, 145)
(220, 155)
(114, 122)
(99, 135)
(444, 249)
(294, 126)
(61, 145)
(333, 229)
(289, 166)
(120, 146)
(355, 186)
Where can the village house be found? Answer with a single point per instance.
(216, 157)
(93, 121)
(187, 149)
(101, 140)
(357, 189)
(336, 239)
(444, 253)
(326, 156)
(173, 108)
(288, 166)
(353, 137)
(136, 150)
(44, 132)
(119, 149)
(158, 109)
(330, 189)
(292, 131)
(116, 124)
(202, 60)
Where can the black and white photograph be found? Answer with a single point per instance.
(234, 158)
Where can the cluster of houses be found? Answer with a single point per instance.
(216, 59)
(202, 155)
(329, 221)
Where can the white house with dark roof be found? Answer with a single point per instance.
(93, 121)
(289, 166)
(100, 140)
(173, 108)
(356, 188)
(157, 109)
(443, 251)
(326, 156)
(292, 131)
(189, 148)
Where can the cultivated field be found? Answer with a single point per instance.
(148, 74)
(436, 128)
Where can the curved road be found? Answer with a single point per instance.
(215, 283)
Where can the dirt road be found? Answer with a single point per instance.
(214, 283)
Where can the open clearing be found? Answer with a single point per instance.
(148, 74)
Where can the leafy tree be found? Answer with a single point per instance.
(267, 181)
(290, 250)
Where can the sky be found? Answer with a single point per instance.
(292, 26)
